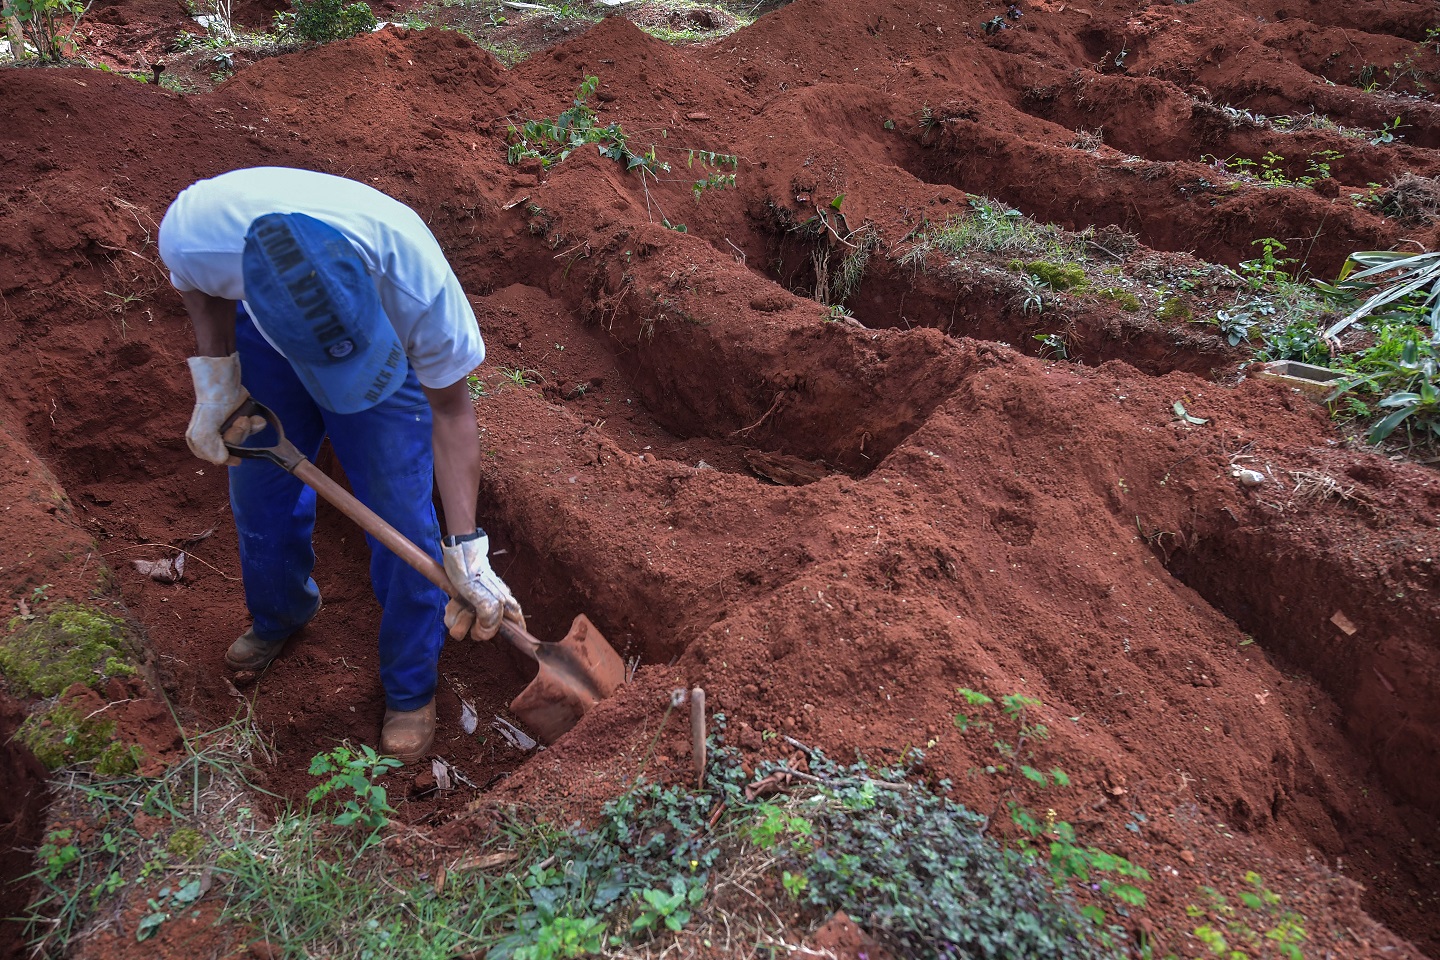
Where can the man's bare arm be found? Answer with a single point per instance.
(214, 321)
(457, 454)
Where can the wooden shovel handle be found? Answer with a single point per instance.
(399, 544)
(284, 454)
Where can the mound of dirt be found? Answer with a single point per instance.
(830, 520)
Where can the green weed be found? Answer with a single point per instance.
(550, 142)
(355, 772)
(920, 869)
(1018, 736)
(1257, 924)
(1270, 169)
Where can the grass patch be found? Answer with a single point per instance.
(679, 22)
(993, 227)
(662, 862)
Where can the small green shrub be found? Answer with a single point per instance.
(1409, 386)
(44, 24)
(931, 885)
(321, 21)
(354, 772)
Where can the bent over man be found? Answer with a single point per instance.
(333, 305)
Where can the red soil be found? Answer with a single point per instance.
(985, 519)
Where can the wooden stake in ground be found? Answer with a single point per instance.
(697, 734)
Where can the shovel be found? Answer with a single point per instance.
(575, 674)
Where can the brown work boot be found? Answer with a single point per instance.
(249, 652)
(407, 734)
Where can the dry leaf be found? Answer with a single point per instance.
(469, 719)
(513, 735)
(485, 861)
(163, 571)
(441, 769)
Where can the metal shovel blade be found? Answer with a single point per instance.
(575, 674)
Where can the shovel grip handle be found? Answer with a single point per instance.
(398, 544)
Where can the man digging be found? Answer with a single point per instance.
(333, 305)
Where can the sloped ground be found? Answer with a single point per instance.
(981, 518)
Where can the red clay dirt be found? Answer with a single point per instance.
(973, 516)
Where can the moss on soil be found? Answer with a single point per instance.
(60, 736)
(1126, 300)
(72, 644)
(185, 843)
(1057, 276)
(1174, 309)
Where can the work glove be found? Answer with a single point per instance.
(481, 597)
(218, 394)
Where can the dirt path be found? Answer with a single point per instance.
(972, 516)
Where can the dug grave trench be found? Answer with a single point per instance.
(681, 346)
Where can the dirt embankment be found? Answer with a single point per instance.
(971, 516)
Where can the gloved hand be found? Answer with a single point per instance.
(482, 598)
(218, 394)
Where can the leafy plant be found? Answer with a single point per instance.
(1270, 168)
(321, 21)
(1268, 268)
(518, 376)
(668, 909)
(1386, 133)
(1410, 387)
(44, 23)
(163, 902)
(920, 869)
(1297, 340)
(1259, 922)
(777, 824)
(1018, 734)
(1235, 323)
(57, 853)
(552, 141)
(1412, 291)
(1053, 346)
(1033, 294)
(355, 772)
(561, 938)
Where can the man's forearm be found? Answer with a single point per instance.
(214, 321)
(457, 455)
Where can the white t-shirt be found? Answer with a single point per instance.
(202, 240)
